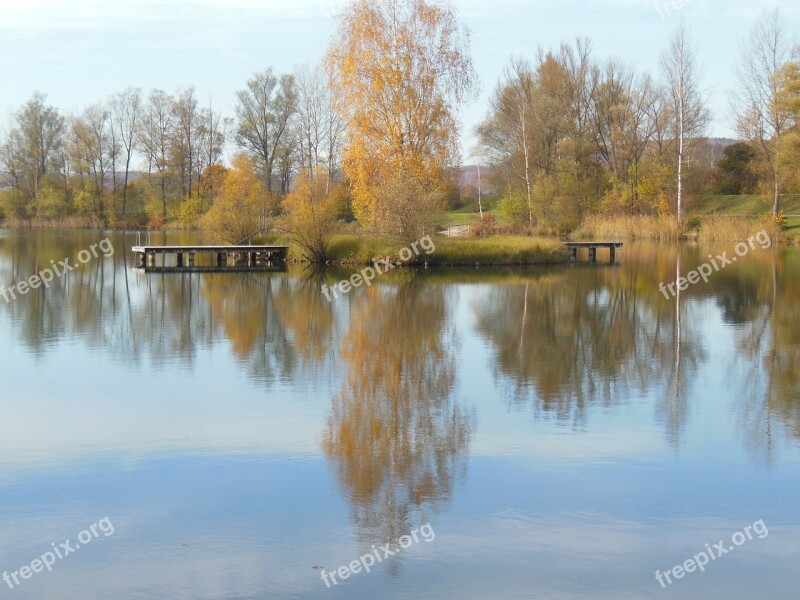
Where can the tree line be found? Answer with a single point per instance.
(372, 134)
(55, 165)
(571, 135)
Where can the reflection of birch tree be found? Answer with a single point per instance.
(770, 343)
(565, 342)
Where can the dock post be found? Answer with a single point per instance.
(140, 260)
(613, 254)
(191, 259)
(180, 259)
(221, 259)
(592, 254)
(574, 253)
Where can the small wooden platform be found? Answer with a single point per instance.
(223, 258)
(593, 246)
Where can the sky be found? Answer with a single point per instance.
(82, 51)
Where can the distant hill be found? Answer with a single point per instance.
(468, 177)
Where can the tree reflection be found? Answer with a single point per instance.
(594, 336)
(245, 308)
(397, 436)
(770, 341)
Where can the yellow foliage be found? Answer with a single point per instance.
(242, 207)
(310, 212)
(398, 70)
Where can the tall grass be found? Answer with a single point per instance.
(501, 250)
(72, 222)
(627, 227)
(719, 228)
(498, 250)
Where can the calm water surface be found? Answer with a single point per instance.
(565, 431)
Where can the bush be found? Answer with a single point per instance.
(780, 222)
(190, 210)
(487, 225)
(514, 209)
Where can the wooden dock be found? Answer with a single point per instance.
(593, 246)
(221, 258)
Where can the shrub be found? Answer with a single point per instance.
(487, 225)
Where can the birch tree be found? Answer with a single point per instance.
(760, 116)
(509, 130)
(399, 70)
(688, 109)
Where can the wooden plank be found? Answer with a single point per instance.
(187, 249)
(593, 244)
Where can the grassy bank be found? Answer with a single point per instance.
(711, 218)
(501, 250)
(707, 228)
(497, 250)
(753, 204)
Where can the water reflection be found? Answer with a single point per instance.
(590, 337)
(396, 435)
(587, 406)
(245, 308)
(561, 340)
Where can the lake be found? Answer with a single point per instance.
(559, 432)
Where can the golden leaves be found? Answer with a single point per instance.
(398, 70)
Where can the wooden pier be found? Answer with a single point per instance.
(593, 246)
(221, 258)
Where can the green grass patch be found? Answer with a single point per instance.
(755, 204)
(497, 250)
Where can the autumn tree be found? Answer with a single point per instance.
(32, 153)
(212, 134)
(398, 71)
(540, 137)
(241, 208)
(12, 171)
(264, 110)
(185, 140)
(126, 111)
(92, 151)
(318, 130)
(154, 136)
(310, 214)
(579, 169)
(789, 99)
(622, 115)
(509, 130)
(760, 116)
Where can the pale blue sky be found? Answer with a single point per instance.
(80, 51)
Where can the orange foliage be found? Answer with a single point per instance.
(398, 70)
